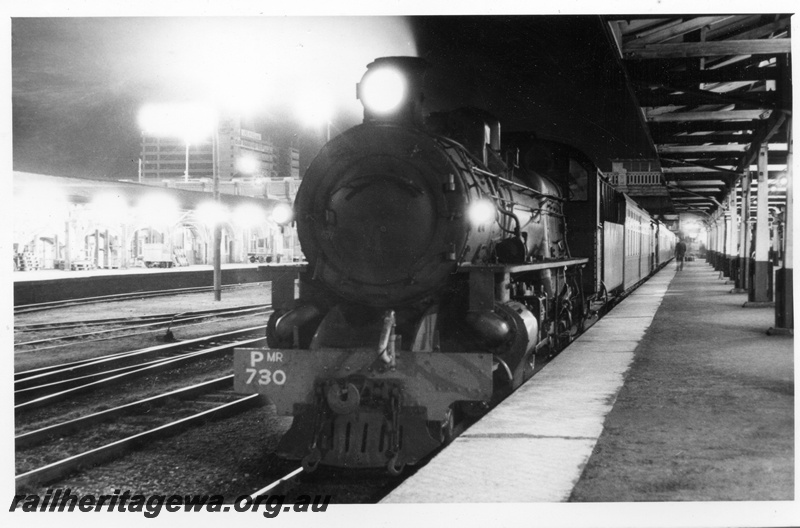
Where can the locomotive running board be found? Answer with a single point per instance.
(433, 380)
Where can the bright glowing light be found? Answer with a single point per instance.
(783, 181)
(188, 121)
(38, 206)
(110, 207)
(249, 215)
(481, 212)
(247, 165)
(41, 198)
(382, 90)
(211, 213)
(158, 209)
(282, 214)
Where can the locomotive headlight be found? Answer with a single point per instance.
(382, 90)
(481, 212)
(282, 214)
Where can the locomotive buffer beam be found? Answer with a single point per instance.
(339, 399)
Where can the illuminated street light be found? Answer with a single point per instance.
(190, 122)
(187, 121)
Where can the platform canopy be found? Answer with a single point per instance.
(711, 90)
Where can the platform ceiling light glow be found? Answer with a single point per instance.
(211, 213)
(249, 215)
(39, 201)
(158, 209)
(383, 90)
(190, 122)
(110, 207)
(282, 214)
(481, 212)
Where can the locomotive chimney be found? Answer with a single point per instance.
(391, 90)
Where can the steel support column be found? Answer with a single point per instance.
(719, 223)
(760, 291)
(784, 282)
(733, 238)
(744, 250)
(726, 243)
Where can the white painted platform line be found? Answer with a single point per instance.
(534, 445)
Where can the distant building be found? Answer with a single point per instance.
(243, 154)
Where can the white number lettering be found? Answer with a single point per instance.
(265, 376)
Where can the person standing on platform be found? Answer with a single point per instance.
(680, 253)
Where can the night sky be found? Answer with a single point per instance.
(78, 83)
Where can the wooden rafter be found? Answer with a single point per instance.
(704, 86)
(721, 115)
(643, 71)
(679, 149)
(709, 49)
(678, 29)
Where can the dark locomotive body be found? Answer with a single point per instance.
(439, 270)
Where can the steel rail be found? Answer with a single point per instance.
(33, 327)
(125, 376)
(248, 311)
(37, 436)
(279, 485)
(167, 348)
(62, 468)
(35, 307)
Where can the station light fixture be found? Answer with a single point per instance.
(158, 209)
(211, 213)
(190, 122)
(109, 207)
(383, 90)
(249, 215)
(282, 214)
(481, 212)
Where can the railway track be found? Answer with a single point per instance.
(132, 323)
(38, 307)
(139, 422)
(44, 386)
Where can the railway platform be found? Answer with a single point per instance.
(677, 394)
(40, 286)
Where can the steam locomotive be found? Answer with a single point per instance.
(440, 269)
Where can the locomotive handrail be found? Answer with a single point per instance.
(518, 268)
(519, 185)
(472, 167)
